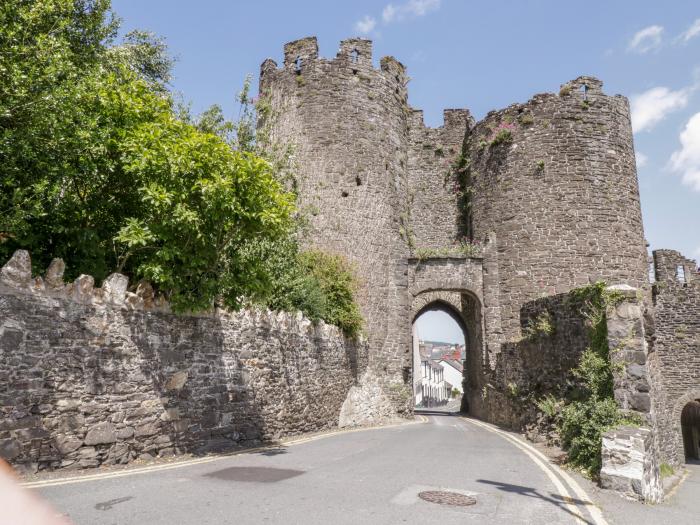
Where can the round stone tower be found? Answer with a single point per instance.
(555, 180)
(347, 123)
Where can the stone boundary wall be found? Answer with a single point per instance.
(100, 376)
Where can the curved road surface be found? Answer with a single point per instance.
(370, 476)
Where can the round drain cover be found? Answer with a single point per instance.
(443, 497)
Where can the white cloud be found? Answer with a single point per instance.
(365, 25)
(412, 8)
(646, 39)
(389, 13)
(641, 159)
(692, 31)
(652, 106)
(686, 161)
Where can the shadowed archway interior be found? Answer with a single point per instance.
(690, 427)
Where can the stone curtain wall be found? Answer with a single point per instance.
(674, 329)
(434, 220)
(630, 455)
(92, 376)
(562, 196)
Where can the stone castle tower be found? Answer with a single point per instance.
(547, 189)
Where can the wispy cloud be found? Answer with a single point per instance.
(365, 25)
(691, 32)
(411, 9)
(641, 159)
(652, 106)
(646, 39)
(397, 13)
(686, 160)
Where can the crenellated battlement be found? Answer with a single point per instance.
(300, 53)
(354, 55)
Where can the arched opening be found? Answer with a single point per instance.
(690, 427)
(439, 349)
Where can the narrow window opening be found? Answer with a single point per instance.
(358, 180)
(584, 90)
(680, 273)
(652, 273)
(354, 56)
(297, 65)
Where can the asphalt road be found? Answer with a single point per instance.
(371, 476)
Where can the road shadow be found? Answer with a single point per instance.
(254, 474)
(531, 492)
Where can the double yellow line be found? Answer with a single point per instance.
(554, 474)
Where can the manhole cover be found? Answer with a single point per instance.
(443, 497)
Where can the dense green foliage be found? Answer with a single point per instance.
(590, 409)
(319, 284)
(100, 167)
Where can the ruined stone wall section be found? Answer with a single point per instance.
(671, 267)
(561, 195)
(434, 218)
(100, 376)
(674, 324)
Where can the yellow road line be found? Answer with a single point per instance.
(198, 461)
(541, 461)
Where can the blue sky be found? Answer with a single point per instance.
(479, 55)
(435, 325)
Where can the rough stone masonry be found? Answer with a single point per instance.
(99, 376)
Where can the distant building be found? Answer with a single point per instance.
(432, 390)
(452, 372)
(431, 385)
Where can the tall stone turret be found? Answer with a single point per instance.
(348, 124)
(555, 180)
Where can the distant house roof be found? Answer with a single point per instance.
(454, 364)
(433, 363)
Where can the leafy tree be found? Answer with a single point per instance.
(319, 284)
(202, 201)
(46, 48)
(98, 166)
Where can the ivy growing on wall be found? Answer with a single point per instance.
(459, 177)
(589, 409)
